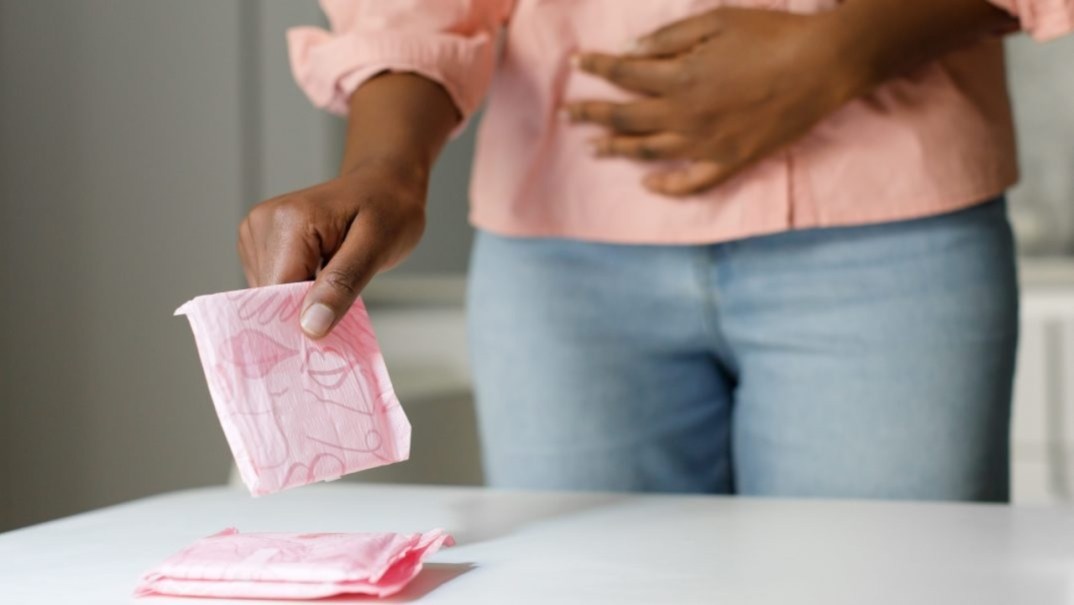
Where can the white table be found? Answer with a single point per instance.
(519, 547)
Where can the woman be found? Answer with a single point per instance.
(755, 249)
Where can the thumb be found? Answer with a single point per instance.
(679, 37)
(341, 281)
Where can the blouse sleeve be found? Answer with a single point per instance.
(1043, 19)
(451, 42)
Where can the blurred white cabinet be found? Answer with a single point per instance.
(1043, 434)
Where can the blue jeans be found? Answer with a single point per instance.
(863, 362)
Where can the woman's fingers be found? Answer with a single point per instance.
(647, 76)
(663, 146)
(354, 225)
(640, 117)
(291, 257)
(678, 37)
(343, 278)
(247, 254)
(284, 240)
(693, 178)
(291, 236)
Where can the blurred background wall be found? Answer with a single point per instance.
(133, 137)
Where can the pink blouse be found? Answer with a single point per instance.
(935, 140)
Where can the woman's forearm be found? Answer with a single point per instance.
(886, 38)
(399, 120)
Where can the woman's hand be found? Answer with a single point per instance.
(725, 89)
(366, 220)
(343, 232)
(722, 89)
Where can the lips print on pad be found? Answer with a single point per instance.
(295, 410)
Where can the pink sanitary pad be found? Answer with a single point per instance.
(293, 566)
(295, 410)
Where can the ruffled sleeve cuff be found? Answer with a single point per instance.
(329, 67)
(1043, 19)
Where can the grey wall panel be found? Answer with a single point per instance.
(120, 188)
(297, 143)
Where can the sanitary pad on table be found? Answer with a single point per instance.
(295, 410)
(293, 566)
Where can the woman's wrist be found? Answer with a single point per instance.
(872, 41)
(824, 52)
(832, 49)
(402, 167)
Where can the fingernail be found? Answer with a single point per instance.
(575, 60)
(633, 48)
(564, 115)
(317, 319)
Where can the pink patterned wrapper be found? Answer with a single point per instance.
(293, 566)
(295, 410)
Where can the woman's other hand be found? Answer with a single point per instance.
(724, 89)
